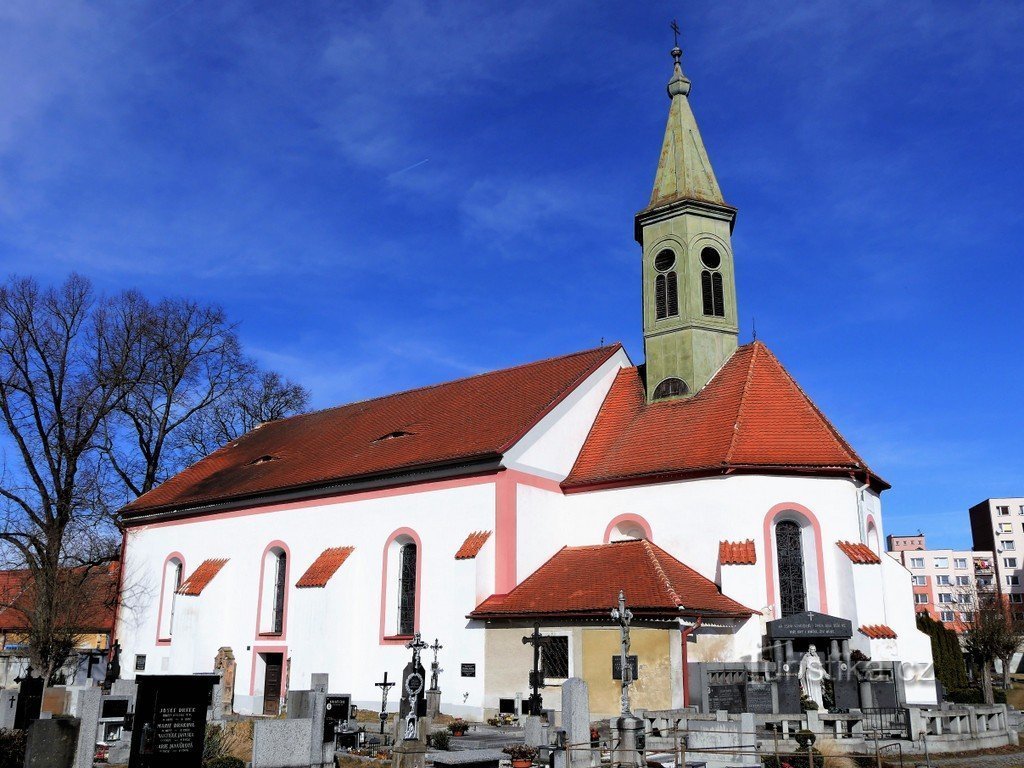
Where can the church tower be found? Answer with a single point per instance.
(689, 292)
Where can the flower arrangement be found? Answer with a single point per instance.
(520, 753)
(458, 726)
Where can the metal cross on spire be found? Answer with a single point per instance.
(624, 616)
(384, 686)
(435, 668)
(675, 31)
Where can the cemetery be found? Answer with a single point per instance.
(185, 721)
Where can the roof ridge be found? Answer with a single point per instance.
(743, 400)
(425, 387)
(837, 436)
(648, 547)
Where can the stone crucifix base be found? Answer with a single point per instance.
(409, 754)
(433, 704)
(625, 733)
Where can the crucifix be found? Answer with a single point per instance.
(413, 685)
(435, 669)
(675, 31)
(536, 679)
(624, 616)
(384, 686)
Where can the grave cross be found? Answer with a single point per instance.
(536, 681)
(624, 616)
(435, 669)
(417, 645)
(384, 686)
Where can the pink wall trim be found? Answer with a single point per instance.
(506, 549)
(256, 651)
(769, 550)
(870, 523)
(394, 639)
(383, 493)
(631, 518)
(287, 583)
(536, 481)
(163, 585)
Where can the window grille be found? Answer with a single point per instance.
(788, 545)
(407, 591)
(279, 587)
(555, 656)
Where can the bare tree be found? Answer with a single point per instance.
(993, 632)
(66, 362)
(190, 361)
(261, 397)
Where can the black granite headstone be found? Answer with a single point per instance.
(759, 698)
(336, 714)
(728, 696)
(883, 694)
(788, 687)
(170, 721)
(845, 687)
(413, 703)
(30, 700)
(52, 743)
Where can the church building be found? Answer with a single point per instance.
(704, 484)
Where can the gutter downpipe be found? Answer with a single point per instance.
(684, 634)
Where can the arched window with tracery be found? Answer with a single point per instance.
(712, 290)
(400, 598)
(790, 556)
(666, 286)
(407, 589)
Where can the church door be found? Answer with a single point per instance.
(272, 683)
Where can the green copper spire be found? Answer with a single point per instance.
(690, 319)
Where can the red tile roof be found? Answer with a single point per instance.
(859, 554)
(471, 546)
(91, 604)
(878, 632)
(737, 552)
(584, 582)
(201, 577)
(326, 565)
(752, 416)
(472, 419)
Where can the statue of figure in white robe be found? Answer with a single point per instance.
(812, 673)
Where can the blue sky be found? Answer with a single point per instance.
(392, 194)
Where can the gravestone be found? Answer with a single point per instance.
(788, 688)
(224, 663)
(170, 721)
(533, 731)
(282, 743)
(337, 711)
(52, 743)
(8, 708)
(30, 700)
(845, 689)
(759, 698)
(88, 706)
(576, 721)
(411, 749)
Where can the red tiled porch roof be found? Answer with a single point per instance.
(584, 582)
(859, 554)
(201, 577)
(737, 552)
(878, 632)
(471, 546)
(324, 567)
(751, 417)
(474, 419)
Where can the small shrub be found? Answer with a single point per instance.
(806, 704)
(12, 748)
(520, 752)
(212, 744)
(441, 740)
(224, 761)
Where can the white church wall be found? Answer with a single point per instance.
(550, 448)
(913, 647)
(315, 638)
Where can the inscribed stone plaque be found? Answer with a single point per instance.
(52, 743)
(789, 694)
(468, 670)
(634, 667)
(170, 721)
(728, 697)
(336, 713)
(809, 624)
(759, 698)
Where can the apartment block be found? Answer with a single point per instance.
(997, 525)
(945, 581)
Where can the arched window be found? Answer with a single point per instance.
(666, 289)
(407, 589)
(627, 526)
(712, 291)
(273, 590)
(399, 601)
(671, 387)
(172, 577)
(790, 554)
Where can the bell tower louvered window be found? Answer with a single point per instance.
(407, 590)
(789, 549)
(712, 292)
(666, 286)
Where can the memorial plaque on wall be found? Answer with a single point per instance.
(468, 670)
(809, 624)
(170, 721)
(729, 697)
(634, 667)
(759, 698)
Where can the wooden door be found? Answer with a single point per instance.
(272, 684)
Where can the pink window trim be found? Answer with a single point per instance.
(284, 608)
(628, 517)
(163, 586)
(870, 523)
(769, 550)
(285, 661)
(400, 639)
